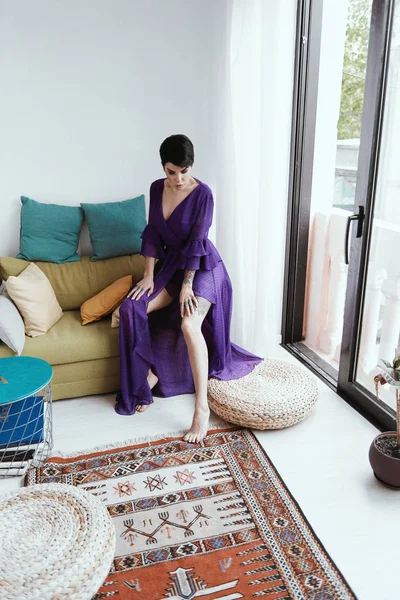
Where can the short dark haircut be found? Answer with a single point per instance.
(178, 150)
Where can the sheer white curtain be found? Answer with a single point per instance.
(256, 82)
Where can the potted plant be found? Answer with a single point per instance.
(384, 453)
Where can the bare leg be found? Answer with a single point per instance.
(198, 356)
(152, 379)
(163, 299)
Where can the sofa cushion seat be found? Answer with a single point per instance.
(76, 282)
(68, 341)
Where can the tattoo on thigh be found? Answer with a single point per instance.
(203, 306)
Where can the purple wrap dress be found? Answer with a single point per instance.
(156, 340)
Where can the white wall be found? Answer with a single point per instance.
(89, 89)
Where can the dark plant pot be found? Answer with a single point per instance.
(384, 458)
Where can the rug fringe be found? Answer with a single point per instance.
(134, 441)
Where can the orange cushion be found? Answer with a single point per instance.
(106, 301)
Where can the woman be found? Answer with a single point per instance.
(175, 324)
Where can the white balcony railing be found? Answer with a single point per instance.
(326, 290)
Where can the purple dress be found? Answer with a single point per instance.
(156, 340)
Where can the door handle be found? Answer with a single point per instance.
(359, 217)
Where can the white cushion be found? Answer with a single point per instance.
(12, 329)
(35, 299)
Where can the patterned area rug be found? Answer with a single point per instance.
(212, 521)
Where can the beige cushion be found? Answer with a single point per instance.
(69, 342)
(106, 301)
(76, 282)
(115, 318)
(35, 299)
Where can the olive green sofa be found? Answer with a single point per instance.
(85, 359)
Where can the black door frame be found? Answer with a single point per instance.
(308, 40)
(305, 91)
(368, 164)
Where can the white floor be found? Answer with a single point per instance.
(323, 461)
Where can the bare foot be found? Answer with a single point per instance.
(198, 430)
(152, 379)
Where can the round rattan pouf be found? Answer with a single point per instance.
(276, 394)
(57, 543)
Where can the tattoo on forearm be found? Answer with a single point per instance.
(189, 276)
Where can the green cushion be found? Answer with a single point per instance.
(49, 232)
(69, 342)
(115, 227)
(76, 282)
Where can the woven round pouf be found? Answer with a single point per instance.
(57, 543)
(276, 394)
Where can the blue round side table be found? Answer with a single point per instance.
(26, 435)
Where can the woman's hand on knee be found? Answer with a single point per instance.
(144, 286)
(187, 301)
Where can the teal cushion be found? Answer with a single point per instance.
(115, 227)
(49, 232)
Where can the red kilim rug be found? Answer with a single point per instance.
(211, 520)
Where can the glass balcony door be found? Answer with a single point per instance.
(342, 299)
(378, 321)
